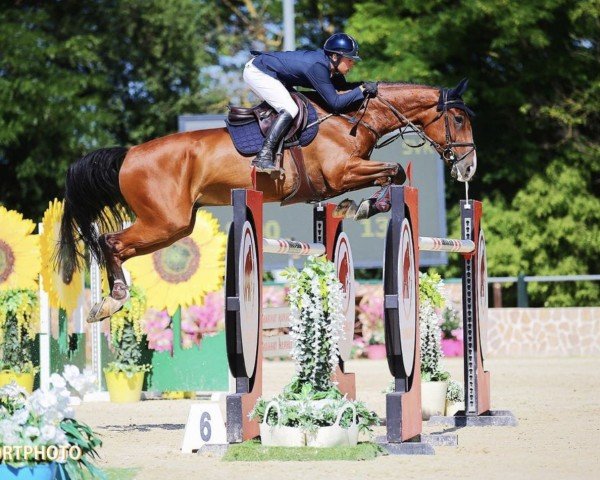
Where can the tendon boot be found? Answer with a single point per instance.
(265, 160)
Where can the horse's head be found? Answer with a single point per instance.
(451, 134)
(439, 116)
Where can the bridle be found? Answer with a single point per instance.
(447, 153)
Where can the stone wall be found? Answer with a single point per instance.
(547, 332)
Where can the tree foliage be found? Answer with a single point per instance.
(75, 76)
(78, 75)
(534, 83)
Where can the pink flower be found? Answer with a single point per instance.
(156, 327)
(458, 334)
(161, 341)
(274, 296)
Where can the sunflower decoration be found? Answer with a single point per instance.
(181, 274)
(19, 251)
(61, 294)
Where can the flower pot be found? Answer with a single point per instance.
(433, 398)
(452, 408)
(335, 435)
(278, 435)
(41, 471)
(123, 389)
(25, 380)
(376, 352)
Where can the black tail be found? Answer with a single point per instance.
(92, 195)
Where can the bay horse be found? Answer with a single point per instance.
(163, 181)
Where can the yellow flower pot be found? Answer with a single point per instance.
(123, 389)
(25, 380)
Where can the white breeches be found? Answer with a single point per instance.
(269, 89)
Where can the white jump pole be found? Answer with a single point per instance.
(434, 244)
(292, 247)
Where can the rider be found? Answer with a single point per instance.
(271, 75)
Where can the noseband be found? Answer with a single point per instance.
(447, 153)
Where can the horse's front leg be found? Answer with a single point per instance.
(362, 173)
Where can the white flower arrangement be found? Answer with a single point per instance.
(312, 399)
(316, 321)
(455, 392)
(431, 301)
(30, 423)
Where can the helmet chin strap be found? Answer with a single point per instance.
(335, 63)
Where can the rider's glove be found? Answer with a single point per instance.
(370, 89)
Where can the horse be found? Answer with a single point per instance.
(164, 181)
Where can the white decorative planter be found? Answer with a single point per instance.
(324, 437)
(433, 398)
(316, 404)
(335, 435)
(453, 407)
(278, 435)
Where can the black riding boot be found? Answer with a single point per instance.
(265, 160)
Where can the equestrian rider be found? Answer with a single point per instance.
(271, 75)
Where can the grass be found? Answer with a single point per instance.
(116, 474)
(253, 451)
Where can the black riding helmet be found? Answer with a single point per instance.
(342, 44)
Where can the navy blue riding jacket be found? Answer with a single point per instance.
(310, 69)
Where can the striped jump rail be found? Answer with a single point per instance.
(292, 247)
(434, 244)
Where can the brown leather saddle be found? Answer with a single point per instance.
(264, 114)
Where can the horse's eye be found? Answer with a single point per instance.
(459, 119)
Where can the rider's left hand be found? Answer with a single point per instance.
(370, 89)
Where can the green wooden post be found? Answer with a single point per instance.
(201, 368)
(522, 298)
(66, 349)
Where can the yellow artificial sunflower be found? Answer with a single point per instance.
(181, 274)
(19, 251)
(61, 294)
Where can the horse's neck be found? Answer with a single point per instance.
(415, 102)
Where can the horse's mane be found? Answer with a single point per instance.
(408, 85)
(452, 94)
(316, 99)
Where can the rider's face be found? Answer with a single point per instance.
(345, 65)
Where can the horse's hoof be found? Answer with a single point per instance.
(365, 210)
(370, 207)
(343, 208)
(400, 177)
(108, 306)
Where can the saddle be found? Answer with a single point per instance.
(264, 114)
(248, 127)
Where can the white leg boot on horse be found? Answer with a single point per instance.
(380, 201)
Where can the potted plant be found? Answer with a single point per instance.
(125, 376)
(39, 435)
(311, 409)
(19, 317)
(455, 398)
(433, 379)
(370, 316)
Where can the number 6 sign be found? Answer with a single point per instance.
(205, 425)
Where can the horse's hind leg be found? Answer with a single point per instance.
(119, 291)
(148, 233)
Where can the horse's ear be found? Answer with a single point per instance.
(461, 87)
